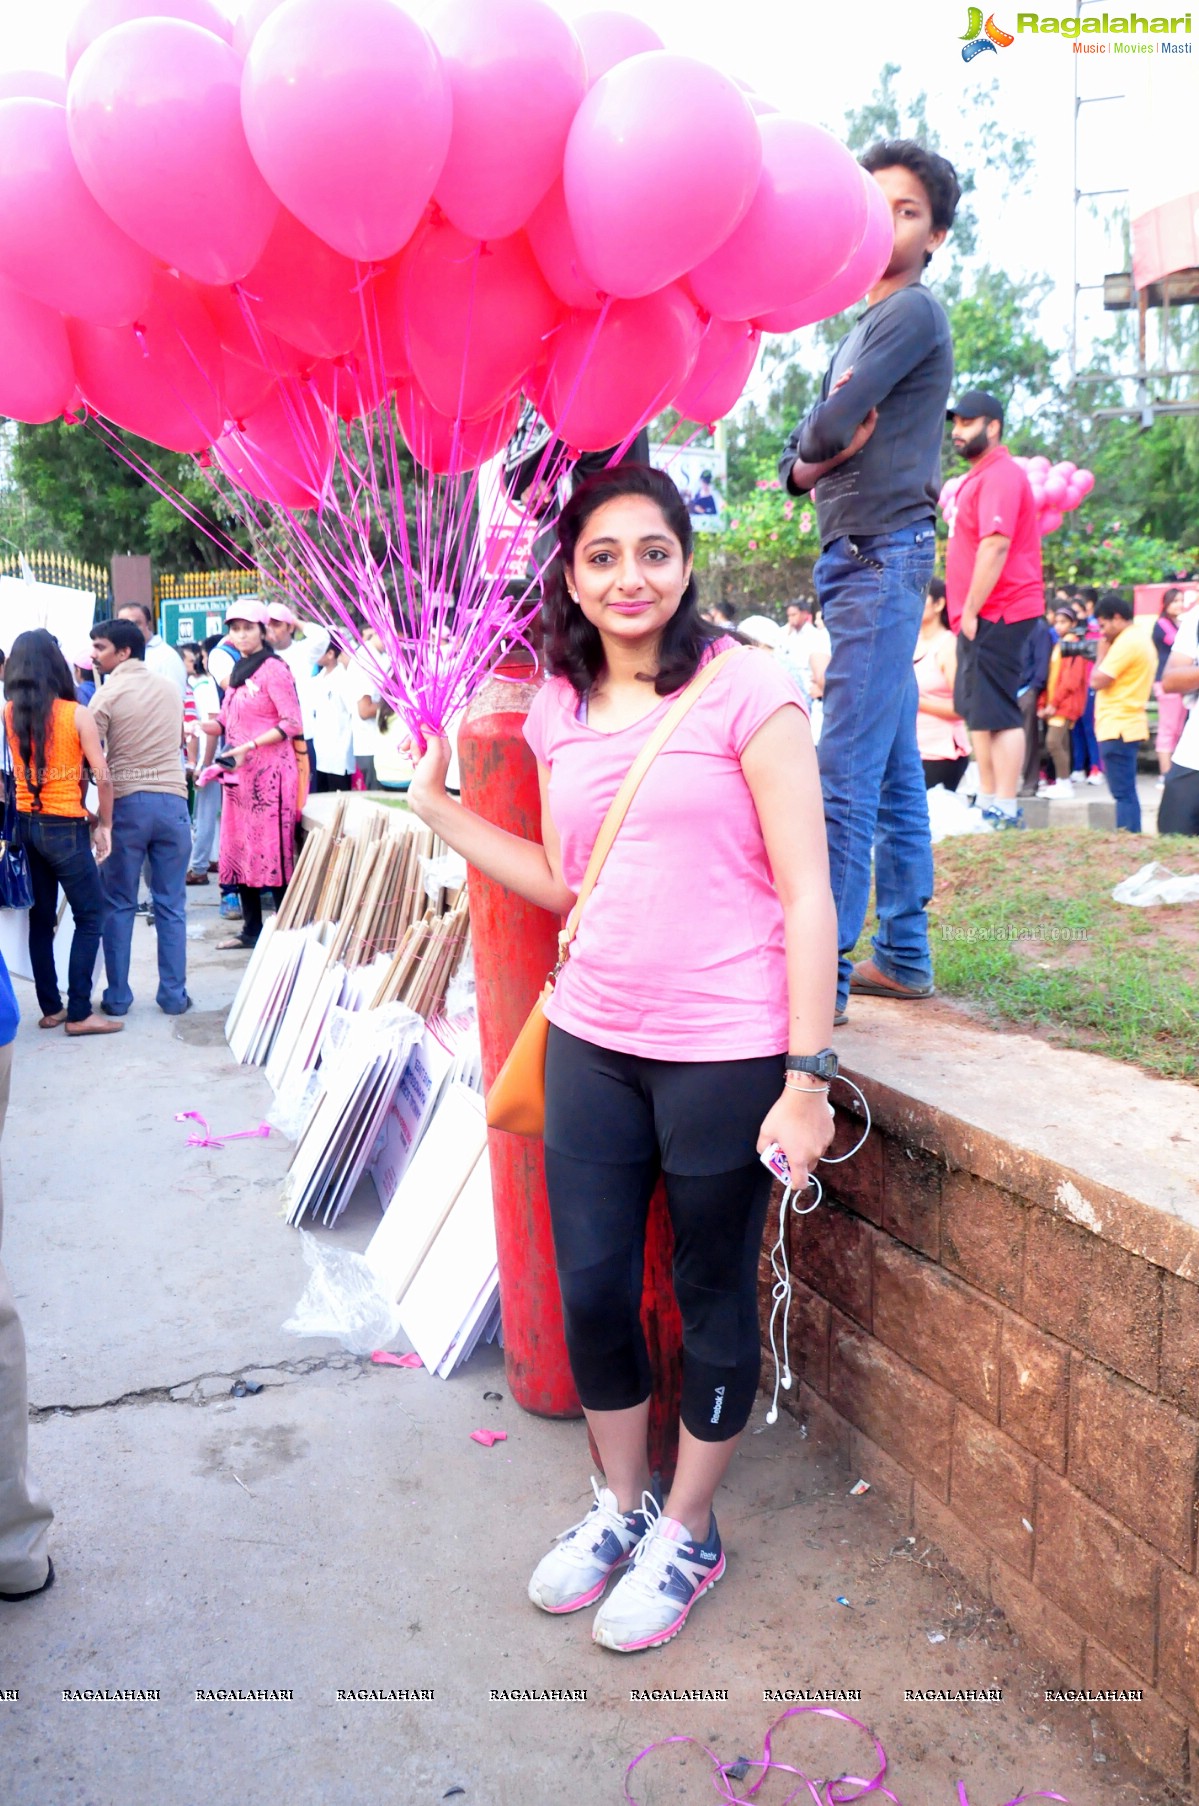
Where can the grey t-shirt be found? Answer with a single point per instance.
(901, 354)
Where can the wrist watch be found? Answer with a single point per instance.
(822, 1065)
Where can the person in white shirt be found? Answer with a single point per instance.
(300, 656)
(805, 649)
(162, 659)
(360, 688)
(206, 809)
(332, 728)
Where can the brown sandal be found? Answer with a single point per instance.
(54, 1021)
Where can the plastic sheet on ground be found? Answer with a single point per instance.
(1154, 884)
(343, 1299)
(949, 813)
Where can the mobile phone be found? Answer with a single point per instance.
(775, 1161)
(226, 761)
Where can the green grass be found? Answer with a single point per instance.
(1025, 932)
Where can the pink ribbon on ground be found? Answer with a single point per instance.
(844, 1790)
(489, 1438)
(207, 1140)
(381, 1358)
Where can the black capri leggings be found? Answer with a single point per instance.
(612, 1122)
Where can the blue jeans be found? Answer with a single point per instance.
(148, 826)
(1120, 769)
(60, 852)
(204, 826)
(1084, 747)
(872, 593)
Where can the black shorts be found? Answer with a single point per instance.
(988, 675)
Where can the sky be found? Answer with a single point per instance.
(817, 58)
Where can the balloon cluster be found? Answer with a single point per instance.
(330, 195)
(1056, 490)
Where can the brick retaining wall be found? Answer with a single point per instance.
(1025, 1390)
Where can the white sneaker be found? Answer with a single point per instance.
(1063, 789)
(1078, 777)
(668, 1572)
(577, 1568)
(1096, 777)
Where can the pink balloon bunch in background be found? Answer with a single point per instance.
(233, 239)
(1057, 489)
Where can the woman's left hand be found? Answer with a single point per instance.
(802, 1125)
(240, 754)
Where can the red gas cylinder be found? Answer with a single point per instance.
(515, 946)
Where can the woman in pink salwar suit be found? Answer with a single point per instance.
(259, 719)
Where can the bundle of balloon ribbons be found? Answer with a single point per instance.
(299, 245)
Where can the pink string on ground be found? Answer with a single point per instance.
(206, 1140)
(843, 1790)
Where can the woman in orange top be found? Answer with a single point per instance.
(49, 740)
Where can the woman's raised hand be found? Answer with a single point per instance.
(432, 763)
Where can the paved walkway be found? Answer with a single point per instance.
(341, 1531)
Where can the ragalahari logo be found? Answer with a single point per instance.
(978, 37)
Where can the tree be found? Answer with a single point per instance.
(69, 492)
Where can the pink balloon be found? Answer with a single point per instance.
(807, 219)
(612, 374)
(1055, 489)
(760, 106)
(251, 21)
(99, 16)
(283, 453)
(476, 319)
(855, 281)
(161, 378)
(608, 38)
(55, 240)
(661, 164)
(1050, 520)
(305, 291)
(516, 72)
(444, 447)
(37, 377)
(350, 386)
(1065, 469)
(1074, 493)
(33, 84)
(247, 385)
(245, 339)
(1085, 480)
(1039, 465)
(154, 117)
(727, 354)
(557, 254)
(347, 111)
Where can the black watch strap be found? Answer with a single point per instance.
(823, 1065)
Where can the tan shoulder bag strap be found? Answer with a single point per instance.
(619, 807)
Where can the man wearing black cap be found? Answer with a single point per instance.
(995, 593)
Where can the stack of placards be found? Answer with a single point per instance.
(435, 1252)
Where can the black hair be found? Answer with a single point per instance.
(143, 609)
(1112, 606)
(936, 174)
(705, 476)
(123, 635)
(211, 644)
(573, 646)
(1171, 595)
(36, 676)
(195, 646)
(1089, 594)
(936, 593)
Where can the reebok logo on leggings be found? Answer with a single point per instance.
(718, 1406)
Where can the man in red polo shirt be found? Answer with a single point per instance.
(995, 592)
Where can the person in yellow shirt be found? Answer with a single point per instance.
(1122, 680)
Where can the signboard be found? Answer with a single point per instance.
(194, 618)
(700, 475)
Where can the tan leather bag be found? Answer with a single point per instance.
(516, 1100)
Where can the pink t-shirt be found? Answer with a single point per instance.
(679, 954)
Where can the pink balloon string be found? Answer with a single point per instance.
(843, 1790)
(206, 1140)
